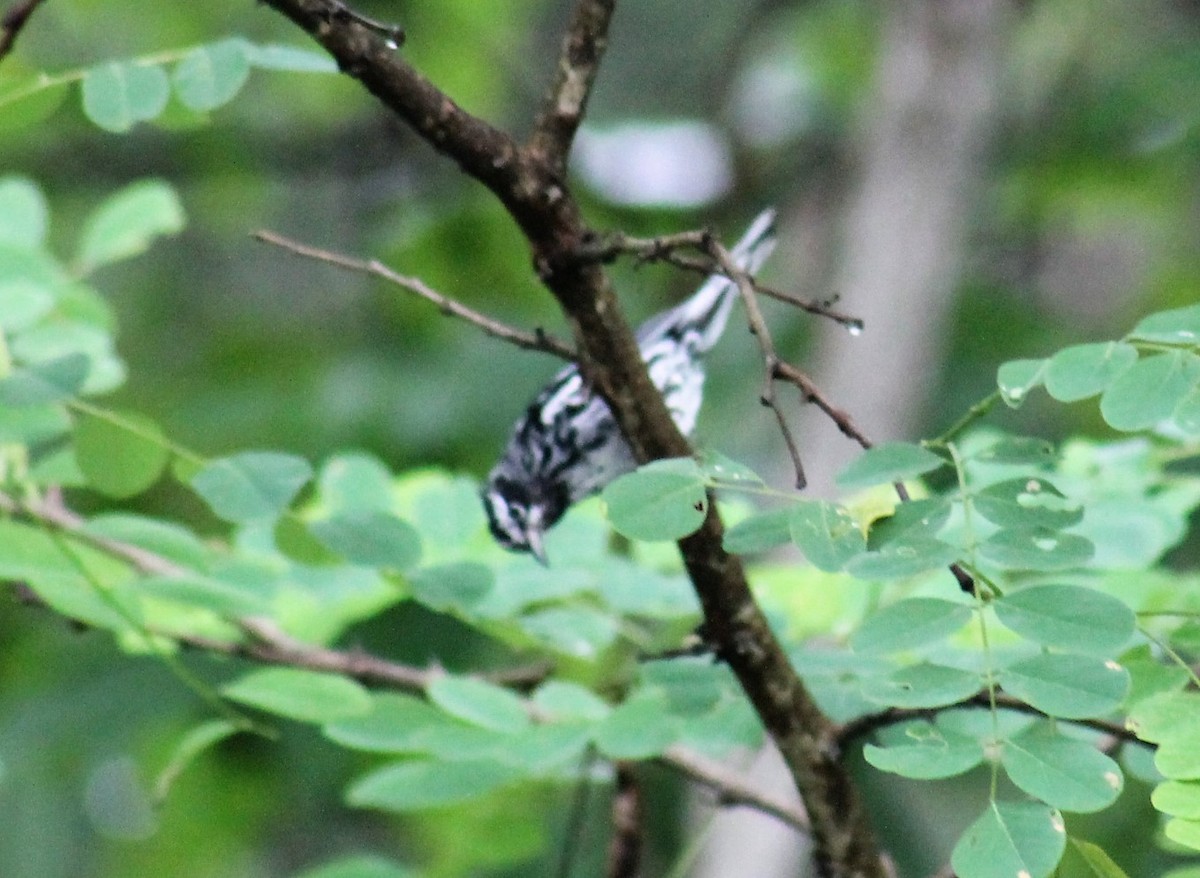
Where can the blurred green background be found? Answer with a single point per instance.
(978, 180)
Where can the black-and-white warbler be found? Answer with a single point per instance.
(567, 446)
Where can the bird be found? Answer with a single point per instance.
(567, 445)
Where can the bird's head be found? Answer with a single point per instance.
(518, 516)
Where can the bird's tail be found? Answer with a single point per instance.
(707, 311)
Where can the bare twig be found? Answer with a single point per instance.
(666, 248)
(564, 105)
(871, 722)
(534, 341)
(14, 19)
(732, 790)
(625, 847)
(766, 344)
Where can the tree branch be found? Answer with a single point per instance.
(625, 847)
(530, 184)
(533, 341)
(15, 18)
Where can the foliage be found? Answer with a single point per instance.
(1077, 630)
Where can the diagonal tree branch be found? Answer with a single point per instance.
(533, 341)
(530, 184)
(13, 21)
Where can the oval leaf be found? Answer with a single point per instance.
(1011, 840)
(1084, 370)
(1036, 548)
(374, 539)
(922, 685)
(1017, 377)
(1027, 502)
(925, 752)
(424, 783)
(479, 703)
(664, 500)
(127, 222)
(209, 76)
(24, 215)
(120, 455)
(45, 382)
(760, 532)
(307, 696)
(1149, 391)
(826, 533)
(1176, 326)
(251, 486)
(1064, 772)
(119, 94)
(890, 462)
(1067, 685)
(909, 624)
(1068, 617)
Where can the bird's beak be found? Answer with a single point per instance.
(535, 539)
(536, 548)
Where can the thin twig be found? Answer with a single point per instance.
(15, 18)
(865, 725)
(731, 789)
(533, 341)
(579, 59)
(666, 248)
(771, 361)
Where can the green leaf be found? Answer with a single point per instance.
(1184, 832)
(1178, 798)
(1086, 860)
(914, 518)
(459, 587)
(1064, 772)
(1011, 840)
(356, 483)
(165, 539)
(1027, 502)
(563, 700)
(251, 486)
(664, 500)
(1084, 370)
(479, 703)
(1176, 326)
(373, 539)
(639, 728)
(890, 462)
(1067, 685)
(1036, 548)
(223, 597)
(119, 94)
(190, 746)
(1017, 377)
(1149, 391)
(120, 457)
(23, 303)
(760, 532)
(24, 215)
(1178, 756)
(293, 59)
(921, 750)
(1165, 716)
(45, 382)
(826, 533)
(1015, 450)
(307, 696)
(359, 866)
(725, 471)
(210, 76)
(910, 624)
(128, 221)
(922, 685)
(581, 632)
(1187, 413)
(418, 784)
(396, 723)
(1069, 617)
(902, 557)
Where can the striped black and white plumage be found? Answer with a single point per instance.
(567, 446)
